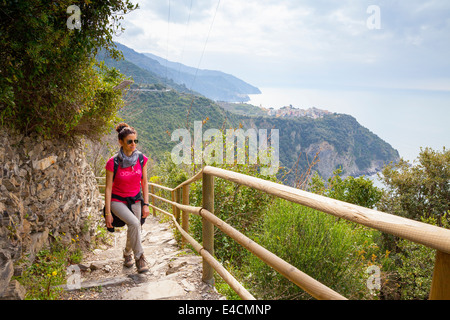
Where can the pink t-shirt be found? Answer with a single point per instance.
(127, 182)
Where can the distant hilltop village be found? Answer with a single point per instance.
(290, 111)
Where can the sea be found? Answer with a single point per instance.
(406, 119)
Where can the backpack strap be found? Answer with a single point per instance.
(116, 165)
(141, 161)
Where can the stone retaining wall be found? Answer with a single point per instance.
(47, 190)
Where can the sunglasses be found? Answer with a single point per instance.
(131, 141)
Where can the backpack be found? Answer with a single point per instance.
(117, 222)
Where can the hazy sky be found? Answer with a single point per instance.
(272, 43)
(332, 54)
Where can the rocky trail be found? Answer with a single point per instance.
(174, 273)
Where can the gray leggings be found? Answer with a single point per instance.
(133, 221)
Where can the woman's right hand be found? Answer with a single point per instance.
(109, 220)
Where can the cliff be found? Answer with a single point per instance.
(48, 191)
(340, 140)
(215, 85)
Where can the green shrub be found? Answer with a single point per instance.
(416, 265)
(329, 250)
(359, 191)
(241, 207)
(48, 270)
(51, 83)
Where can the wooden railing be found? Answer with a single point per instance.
(422, 233)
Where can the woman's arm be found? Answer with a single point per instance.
(108, 192)
(144, 185)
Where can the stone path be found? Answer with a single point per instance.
(174, 273)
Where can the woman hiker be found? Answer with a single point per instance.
(126, 173)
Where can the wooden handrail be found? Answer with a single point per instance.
(161, 187)
(310, 285)
(419, 232)
(190, 209)
(196, 177)
(235, 285)
(422, 233)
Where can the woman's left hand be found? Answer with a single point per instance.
(145, 211)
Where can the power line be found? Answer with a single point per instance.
(206, 42)
(185, 39)
(168, 34)
(200, 61)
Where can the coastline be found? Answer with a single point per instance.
(406, 119)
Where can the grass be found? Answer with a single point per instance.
(333, 251)
(48, 270)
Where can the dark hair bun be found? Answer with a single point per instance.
(120, 126)
(124, 130)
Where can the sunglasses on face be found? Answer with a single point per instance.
(131, 141)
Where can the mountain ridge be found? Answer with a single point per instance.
(338, 138)
(215, 85)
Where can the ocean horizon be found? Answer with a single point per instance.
(406, 119)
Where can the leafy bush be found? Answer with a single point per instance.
(414, 266)
(50, 83)
(421, 189)
(329, 250)
(359, 191)
(241, 207)
(48, 270)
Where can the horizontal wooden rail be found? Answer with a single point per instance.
(426, 234)
(234, 284)
(301, 279)
(190, 209)
(422, 233)
(159, 186)
(196, 177)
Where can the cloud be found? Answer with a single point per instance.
(178, 11)
(300, 42)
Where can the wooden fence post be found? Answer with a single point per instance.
(208, 227)
(152, 190)
(177, 200)
(184, 214)
(440, 286)
(174, 207)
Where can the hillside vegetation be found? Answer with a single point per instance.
(213, 84)
(50, 81)
(157, 114)
(336, 252)
(339, 139)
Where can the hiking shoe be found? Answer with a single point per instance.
(128, 260)
(141, 264)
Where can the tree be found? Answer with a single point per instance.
(50, 82)
(359, 191)
(421, 189)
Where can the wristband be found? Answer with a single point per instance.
(146, 204)
(107, 214)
